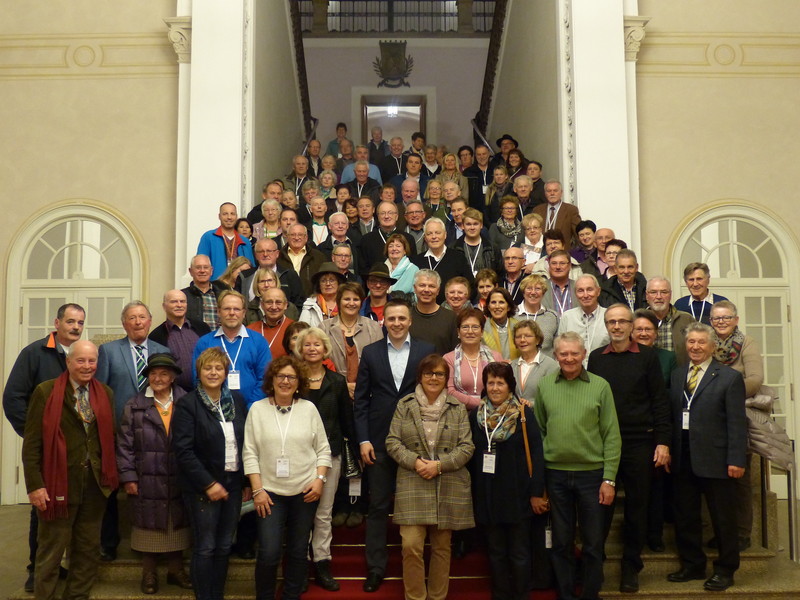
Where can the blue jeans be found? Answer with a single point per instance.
(292, 516)
(213, 526)
(577, 493)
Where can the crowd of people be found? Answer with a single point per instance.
(438, 328)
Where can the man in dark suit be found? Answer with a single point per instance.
(387, 372)
(708, 452)
(70, 467)
(120, 365)
(557, 214)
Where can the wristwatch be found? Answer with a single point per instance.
(323, 478)
(611, 483)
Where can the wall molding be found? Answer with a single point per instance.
(720, 55)
(86, 56)
(634, 34)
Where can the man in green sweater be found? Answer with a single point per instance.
(582, 444)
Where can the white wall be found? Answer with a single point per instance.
(339, 71)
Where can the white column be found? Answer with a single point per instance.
(180, 36)
(602, 128)
(216, 144)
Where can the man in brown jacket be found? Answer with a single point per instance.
(70, 468)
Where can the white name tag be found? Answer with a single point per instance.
(548, 537)
(230, 444)
(685, 423)
(355, 486)
(488, 462)
(233, 380)
(282, 467)
(484, 188)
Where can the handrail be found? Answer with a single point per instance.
(312, 134)
(492, 59)
(300, 65)
(482, 137)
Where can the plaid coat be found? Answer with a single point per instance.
(445, 500)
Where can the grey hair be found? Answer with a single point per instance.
(568, 336)
(428, 274)
(698, 327)
(134, 304)
(433, 220)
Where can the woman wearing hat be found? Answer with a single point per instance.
(148, 470)
(322, 304)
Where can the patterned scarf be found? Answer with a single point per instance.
(510, 231)
(728, 350)
(430, 414)
(484, 358)
(225, 402)
(509, 408)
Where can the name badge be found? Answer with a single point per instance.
(488, 462)
(282, 466)
(548, 537)
(484, 188)
(230, 443)
(685, 422)
(355, 486)
(233, 380)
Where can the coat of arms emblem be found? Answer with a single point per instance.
(393, 66)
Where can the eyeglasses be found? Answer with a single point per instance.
(615, 322)
(272, 303)
(471, 328)
(434, 374)
(723, 319)
(611, 253)
(644, 330)
(658, 292)
(286, 377)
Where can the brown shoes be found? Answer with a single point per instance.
(181, 579)
(149, 582)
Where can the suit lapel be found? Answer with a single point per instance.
(127, 357)
(708, 377)
(410, 374)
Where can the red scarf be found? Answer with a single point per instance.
(55, 446)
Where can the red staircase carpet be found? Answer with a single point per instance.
(469, 576)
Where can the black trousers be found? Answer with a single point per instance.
(381, 479)
(634, 474)
(720, 494)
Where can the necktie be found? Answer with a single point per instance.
(83, 406)
(552, 221)
(140, 363)
(691, 384)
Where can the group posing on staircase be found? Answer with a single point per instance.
(491, 384)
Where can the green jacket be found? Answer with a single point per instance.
(80, 443)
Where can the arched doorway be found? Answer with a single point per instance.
(752, 258)
(76, 251)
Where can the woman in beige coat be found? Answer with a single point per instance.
(431, 441)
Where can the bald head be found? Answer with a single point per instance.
(82, 361)
(174, 305)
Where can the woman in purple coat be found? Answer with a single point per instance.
(149, 473)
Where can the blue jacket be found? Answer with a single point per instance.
(251, 362)
(213, 246)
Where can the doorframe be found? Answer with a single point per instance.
(11, 476)
(788, 246)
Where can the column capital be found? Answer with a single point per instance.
(180, 34)
(634, 34)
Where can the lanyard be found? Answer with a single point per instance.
(565, 297)
(285, 433)
(219, 409)
(359, 188)
(551, 223)
(274, 337)
(224, 347)
(486, 429)
(477, 253)
(702, 309)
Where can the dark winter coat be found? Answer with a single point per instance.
(144, 456)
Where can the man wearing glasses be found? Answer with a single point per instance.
(385, 374)
(300, 256)
(643, 413)
(671, 321)
(513, 263)
(266, 253)
(247, 350)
